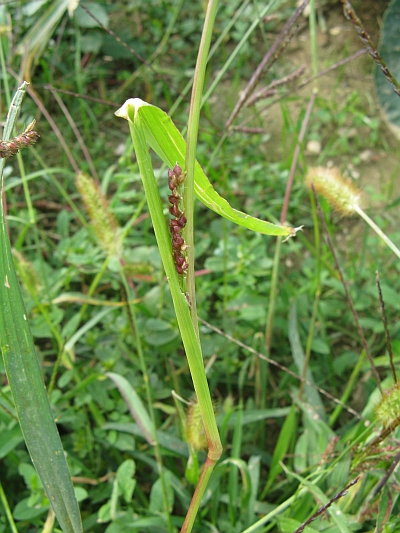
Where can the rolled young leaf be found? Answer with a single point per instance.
(164, 138)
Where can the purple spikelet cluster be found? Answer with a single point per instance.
(175, 178)
(11, 147)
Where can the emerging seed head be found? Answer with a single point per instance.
(388, 409)
(11, 147)
(194, 428)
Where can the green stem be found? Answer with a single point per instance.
(189, 337)
(185, 323)
(377, 230)
(272, 296)
(7, 510)
(190, 160)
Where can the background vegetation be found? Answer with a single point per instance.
(288, 448)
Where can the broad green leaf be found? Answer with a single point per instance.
(9, 439)
(84, 20)
(25, 378)
(156, 495)
(164, 138)
(288, 525)
(126, 483)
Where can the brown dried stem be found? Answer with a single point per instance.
(351, 15)
(385, 325)
(269, 56)
(325, 507)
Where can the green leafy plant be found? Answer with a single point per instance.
(294, 395)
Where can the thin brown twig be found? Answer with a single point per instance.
(346, 290)
(82, 96)
(296, 157)
(385, 326)
(325, 507)
(125, 45)
(286, 370)
(306, 82)
(266, 59)
(270, 90)
(387, 475)
(118, 39)
(351, 15)
(78, 135)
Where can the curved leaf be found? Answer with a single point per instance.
(164, 138)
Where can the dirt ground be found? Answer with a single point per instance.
(337, 39)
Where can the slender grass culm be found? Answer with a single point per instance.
(150, 126)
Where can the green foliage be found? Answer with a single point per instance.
(288, 448)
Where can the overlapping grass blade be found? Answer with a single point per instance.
(25, 378)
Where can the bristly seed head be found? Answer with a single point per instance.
(388, 409)
(343, 196)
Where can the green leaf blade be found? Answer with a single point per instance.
(164, 138)
(25, 378)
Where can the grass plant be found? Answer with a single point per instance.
(202, 372)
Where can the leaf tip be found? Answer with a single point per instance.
(293, 232)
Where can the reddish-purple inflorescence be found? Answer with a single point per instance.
(27, 138)
(175, 178)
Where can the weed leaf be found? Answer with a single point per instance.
(164, 138)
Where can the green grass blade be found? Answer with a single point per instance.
(26, 382)
(164, 138)
(135, 406)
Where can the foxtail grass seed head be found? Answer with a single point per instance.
(195, 429)
(104, 224)
(388, 409)
(27, 138)
(342, 195)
